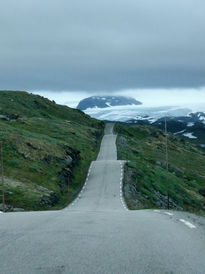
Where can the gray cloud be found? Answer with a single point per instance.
(101, 45)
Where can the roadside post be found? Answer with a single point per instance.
(2, 177)
(167, 160)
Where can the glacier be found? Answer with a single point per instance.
(133, 112)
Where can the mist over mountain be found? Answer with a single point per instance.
(106, 101)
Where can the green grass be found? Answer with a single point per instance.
(37, 136)
(144, 147)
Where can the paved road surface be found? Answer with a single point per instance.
(102, 188)
(97, 234)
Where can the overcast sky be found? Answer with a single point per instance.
(191, 98)
(94, 45)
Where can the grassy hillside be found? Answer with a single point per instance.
(47, 149)
(145, 173)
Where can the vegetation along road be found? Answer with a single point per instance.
(98, 234)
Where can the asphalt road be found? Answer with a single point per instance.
(97, 234)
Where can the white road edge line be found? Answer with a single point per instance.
(121, 192)
(83, 188)
(168, 213)
(190, 225)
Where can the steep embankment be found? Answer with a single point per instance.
(47, 149)
(145, 173)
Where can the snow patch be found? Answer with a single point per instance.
(190, 124)
(179, 132)
(201, 118)
(190, 135)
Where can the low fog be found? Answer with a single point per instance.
(187, 97)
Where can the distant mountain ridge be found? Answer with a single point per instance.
(191, 126)
(106, 102)
(181, 121)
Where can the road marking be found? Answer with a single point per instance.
(121, 185)
(168, 213)
(190, 225)
(83, 188)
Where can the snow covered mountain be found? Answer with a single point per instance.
(181, 121)
(106, 102)
(191, 126)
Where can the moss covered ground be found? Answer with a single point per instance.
(47, 149)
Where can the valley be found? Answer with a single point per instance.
(48, 148)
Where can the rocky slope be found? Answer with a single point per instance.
(190, 127)
(106, 102)
(145, 173)
(47, 149)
